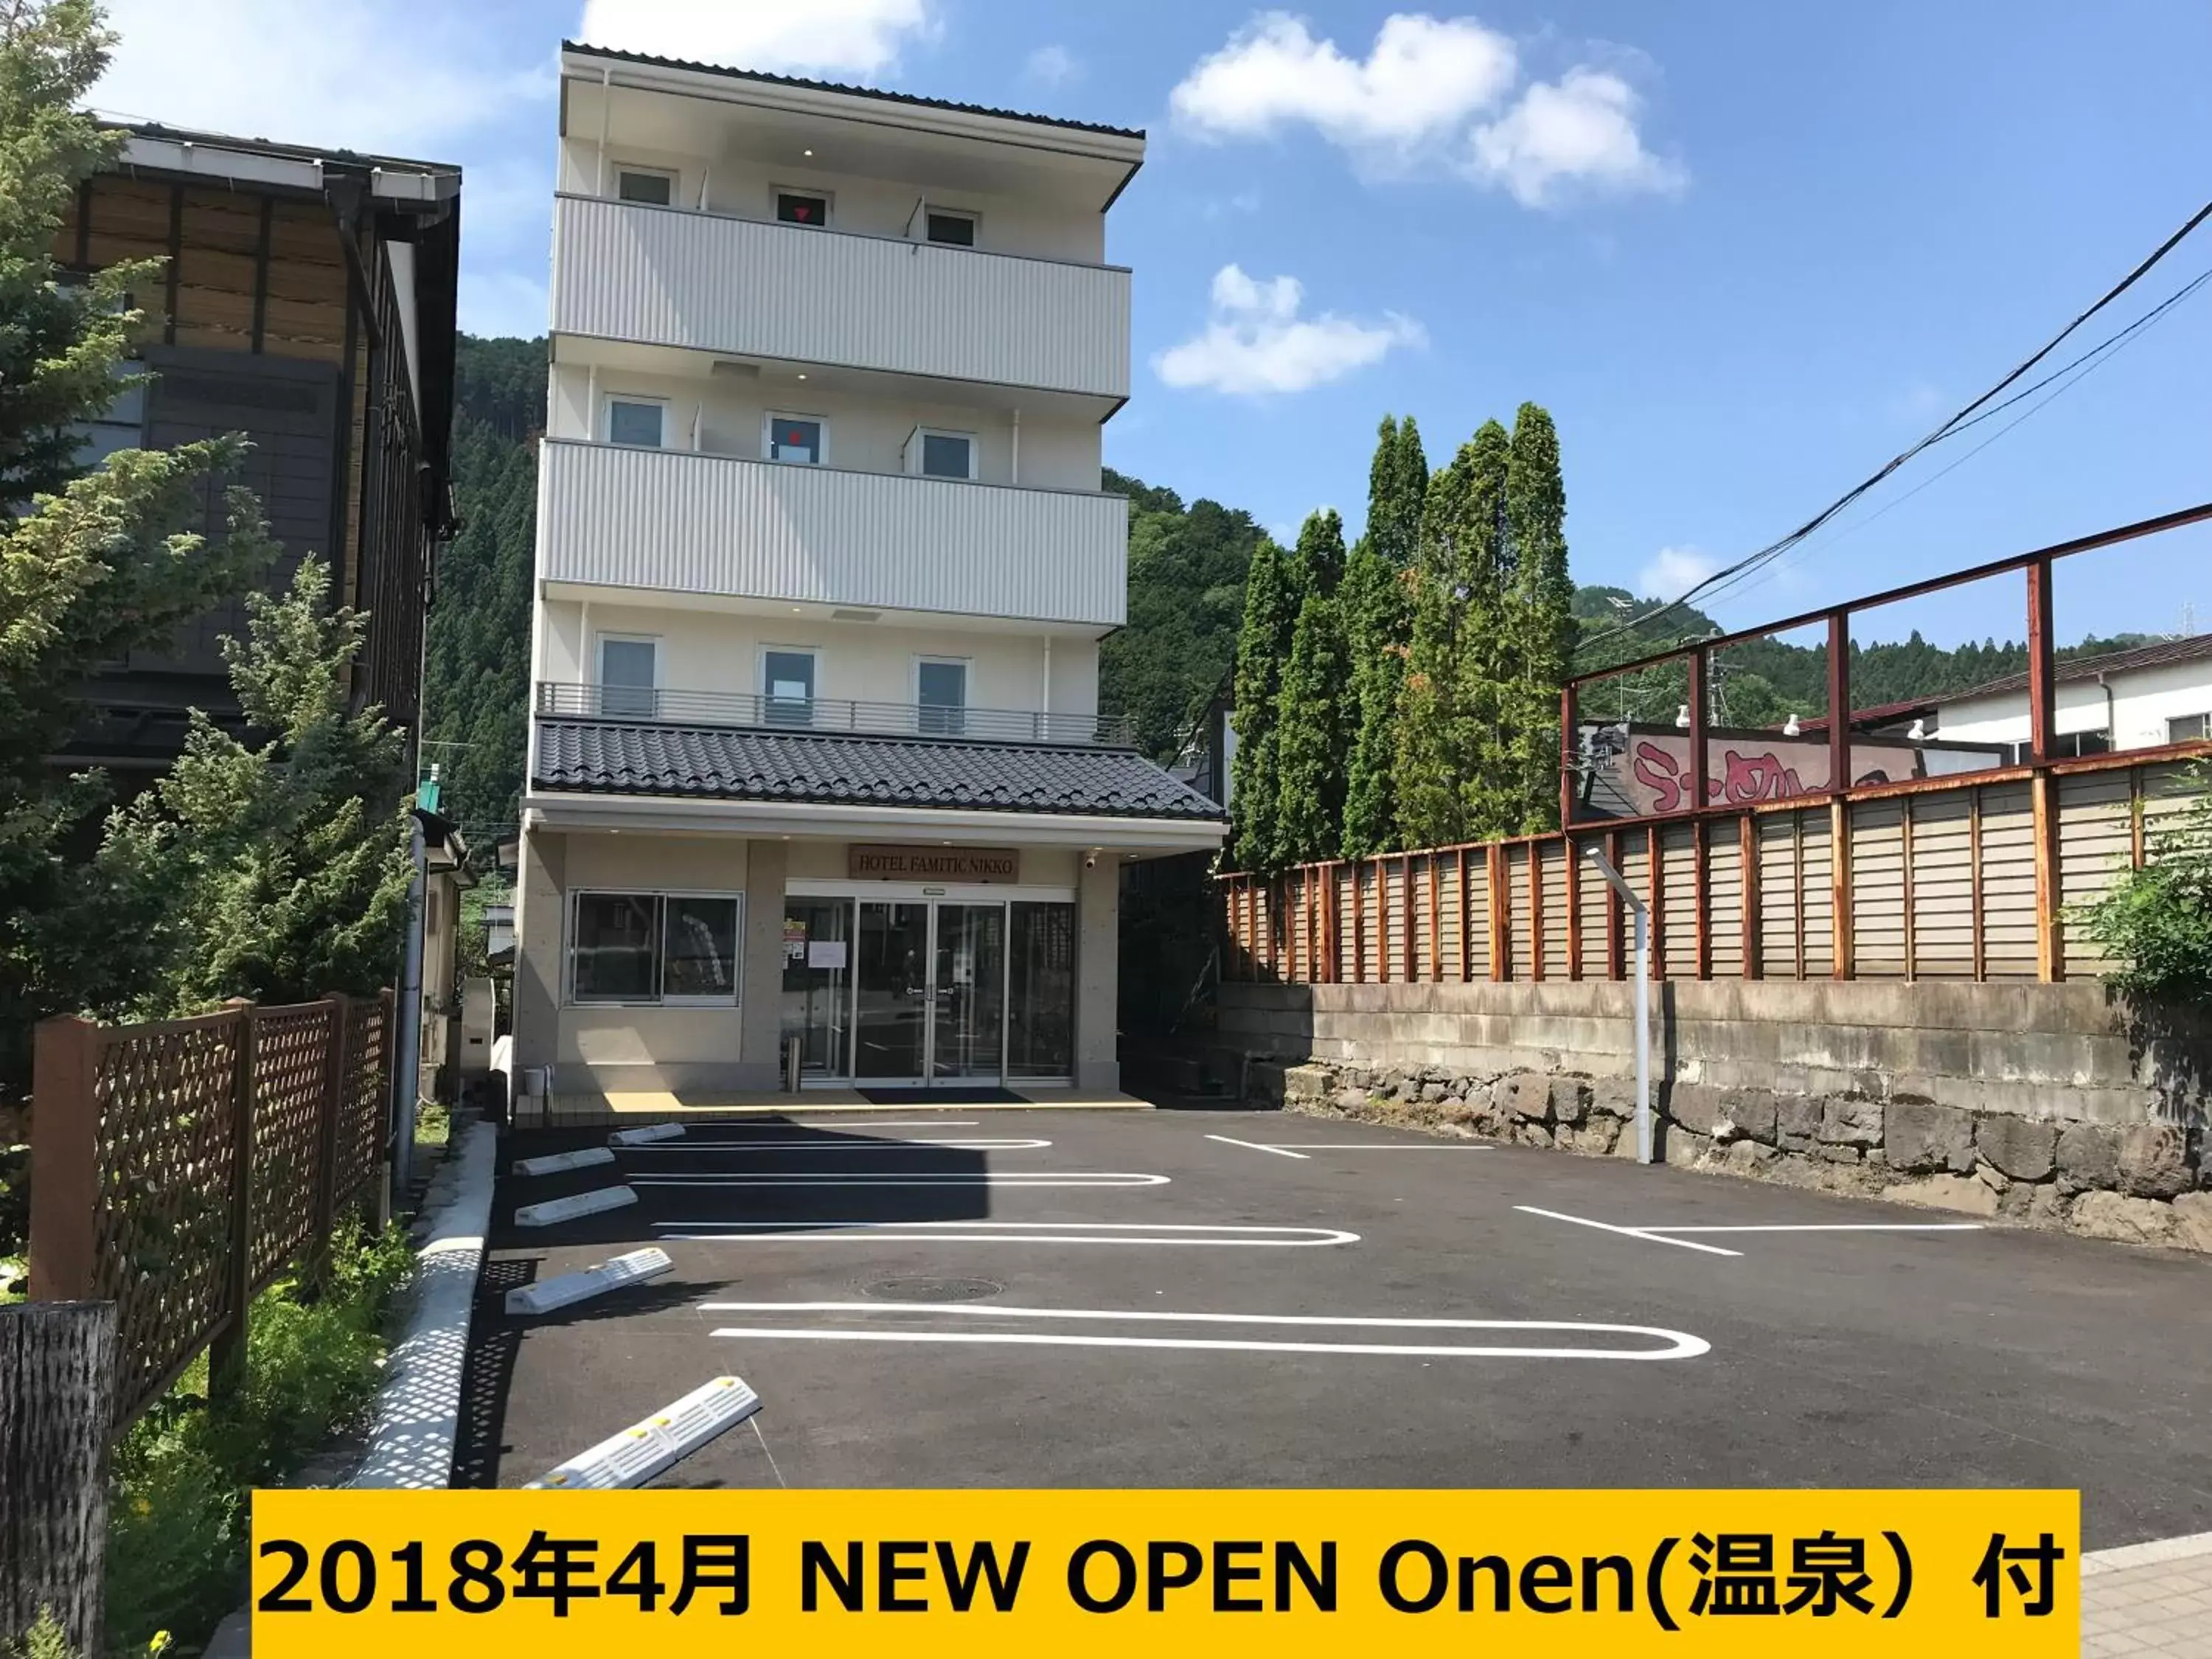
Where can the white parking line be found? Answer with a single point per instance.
(1835, 1227)
(1008, 1144)
(1372, 1146)
(981, 1178)
(1254, 1145)
(1191, 1234)
(865, 1123)
(1680, 1343)
(1626, 1232)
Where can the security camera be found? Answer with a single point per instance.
(1091, 860)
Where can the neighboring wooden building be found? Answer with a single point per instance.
(307, 301)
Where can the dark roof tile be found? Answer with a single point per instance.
(727, 764)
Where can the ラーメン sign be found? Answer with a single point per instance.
(979, 864)
(1073, 1574)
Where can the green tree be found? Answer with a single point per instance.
(1271, 602)
(281, 867)
(1537, 624)
(2156, 922)
(93, 564)
(1452, 765)
(1313, 712)
(1377, 612)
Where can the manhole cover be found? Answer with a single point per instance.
(933, 1290)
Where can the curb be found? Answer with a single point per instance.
(418, 1413)
(2153, 1553)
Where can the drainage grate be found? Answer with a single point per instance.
(932, 1289)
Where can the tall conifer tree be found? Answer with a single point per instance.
(1378, 618)
(1539, 601)
(1314, 713)
(1271, 611)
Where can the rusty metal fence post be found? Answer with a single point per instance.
(64, 1159)
(226, 1355)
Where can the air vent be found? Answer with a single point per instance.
(855, 616)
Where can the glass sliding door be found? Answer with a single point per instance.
(817, 984)
(890, 1026)
(968, 1028)
(1041, 998)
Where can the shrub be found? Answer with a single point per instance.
(2155, 923)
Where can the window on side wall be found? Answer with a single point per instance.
(656, 947)
(940, 454)
(941, 685)
(801, 439)
(952, 228)
(802, 207)
(787, 686)
(638, 423)
(629, 678)
(2189, 728)
(653, 186)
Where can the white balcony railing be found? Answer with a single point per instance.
(674, 521)
(663, 706)
(758, 288)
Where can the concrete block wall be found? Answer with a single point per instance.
(2047, 1105)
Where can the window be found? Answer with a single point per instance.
(800, 207)
(121, 425)
(941, 454)
(2189, 728)
(796, 438)
(954, 229)
(787, 686)
(628, 675)
(638, 422)
(655, 186)
(655, 947)
(941, 691)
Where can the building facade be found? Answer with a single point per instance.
(816, 762)
(306, 299)
(2144, 697)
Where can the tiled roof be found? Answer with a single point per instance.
(851, 91)
(729, 763)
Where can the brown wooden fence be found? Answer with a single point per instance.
(178, 1167)
(1968, 877)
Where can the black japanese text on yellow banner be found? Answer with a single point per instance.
(1078, 1573)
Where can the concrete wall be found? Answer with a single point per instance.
(1097, 976)
(2047, 1105)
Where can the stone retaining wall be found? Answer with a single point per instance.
(2070, 1119)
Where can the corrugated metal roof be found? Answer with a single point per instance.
(730, 764)
(2159, 653)
(763, 76)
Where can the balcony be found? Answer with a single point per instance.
(750, 288)
(675, 522)
(559, 699)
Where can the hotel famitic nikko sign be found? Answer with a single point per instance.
(984, 864)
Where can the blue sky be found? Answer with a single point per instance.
(1743, 254)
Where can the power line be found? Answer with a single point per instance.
(1957, 421)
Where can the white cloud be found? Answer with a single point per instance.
(1420, 81)
(1431, 92)
(1256, 344)
(818, 37)
(1674, 571)
(1581, 129)
(1052, 66)
(282, 70)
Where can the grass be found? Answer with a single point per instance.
(179, 1520)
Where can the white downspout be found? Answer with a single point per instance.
(606, 110)
(705, 172)
(1016, 478)
(1044, 722)
(592, 406)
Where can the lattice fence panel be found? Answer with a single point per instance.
(361, 1097)
(167, 1158)
(291, 1055)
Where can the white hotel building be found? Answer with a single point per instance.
(823, 567)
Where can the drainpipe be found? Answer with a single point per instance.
(1637, 909)
(1044, 721)
(606, 109)
(2112, 718)
(1017, 477)
(406, 1068)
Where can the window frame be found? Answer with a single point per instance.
(646, 169)
(827, 197)
(660, 999)
(653, 400)
(769, 418)
(2203, 721)
(917, 444)
(769, 699)
(943, 720)
(601, 685)
(974, 224)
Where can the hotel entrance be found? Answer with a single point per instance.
(913, 992)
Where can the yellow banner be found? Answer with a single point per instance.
(1223, 1573)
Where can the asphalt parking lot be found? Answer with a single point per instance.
(1060, 1298)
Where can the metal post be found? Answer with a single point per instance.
(406, 1060)
(1642, 912)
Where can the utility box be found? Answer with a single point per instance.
(479, 1013)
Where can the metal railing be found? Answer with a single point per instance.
(654, 705)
